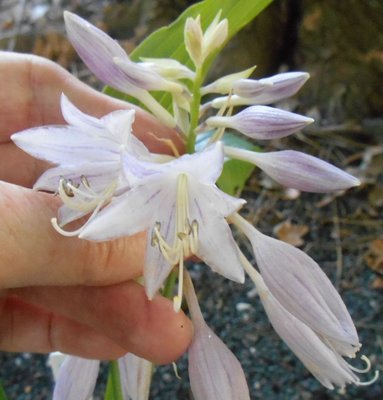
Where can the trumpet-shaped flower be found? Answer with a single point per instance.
(76, 377)
(88, 157)
(136, 375)
(262, 122)
(214, 371)
(298, 283)
(109, 61)
(318, 355)
(297, 170)
(182, 210)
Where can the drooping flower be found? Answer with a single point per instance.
(76, 377)
(88, 156)
(136, 376)
(319, 355)
(214, 371)
(298, 283)
(182, 210)
(297, 170)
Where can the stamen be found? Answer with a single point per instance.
(368, 365)
(370, 382)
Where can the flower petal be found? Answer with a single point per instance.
(216, 245)
(74, 116)
(262, 122)
(298, 283)
(214, 371)
(326, 365)
(157, 268)
(144, 77)
(98, 175)
(76, 379)
(130, 213)
(97, 50)
(136, 375)
(298, 170)
(65, 144)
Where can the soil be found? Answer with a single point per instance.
(342, 232)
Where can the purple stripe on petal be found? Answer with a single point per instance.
(262, 122)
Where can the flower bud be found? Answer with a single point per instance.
(262, 122)
(193, 37)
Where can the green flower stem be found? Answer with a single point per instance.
(169, 285)
(114, 388)
(194, 110)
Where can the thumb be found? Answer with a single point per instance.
(33, 253)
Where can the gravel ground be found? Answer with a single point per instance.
(341, 231)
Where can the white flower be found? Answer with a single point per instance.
(214, 371)
(183, 212)
(297, 170)
(298, 283)
(318, 354)
(88, 157)
(262, 122)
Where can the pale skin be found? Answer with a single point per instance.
(59, 293)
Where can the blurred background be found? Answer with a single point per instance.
(340, 43)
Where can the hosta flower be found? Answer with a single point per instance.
(182, 210)
(88, 157)
(76, 377)
(136, 375)
(110, 63)
(262, 122)
(214, 371)
(297, 170)
(319, 355)
(298, 283)
(275, 88)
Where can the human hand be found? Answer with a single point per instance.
(60, 293)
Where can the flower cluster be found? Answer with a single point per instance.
(104, 172)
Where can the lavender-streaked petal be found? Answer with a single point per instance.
(216, 245)
(324, 363)
(127, 214)
(65, 145)
(300, 171)
(249, 87)
(214, 371)
(98, 50)
(262, 122)
(282, 86)
(136, 374)
(76, 379)
(298, 283)
(157, 267)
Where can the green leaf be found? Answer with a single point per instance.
(235, 173)
(3, 396)
(168, 42)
